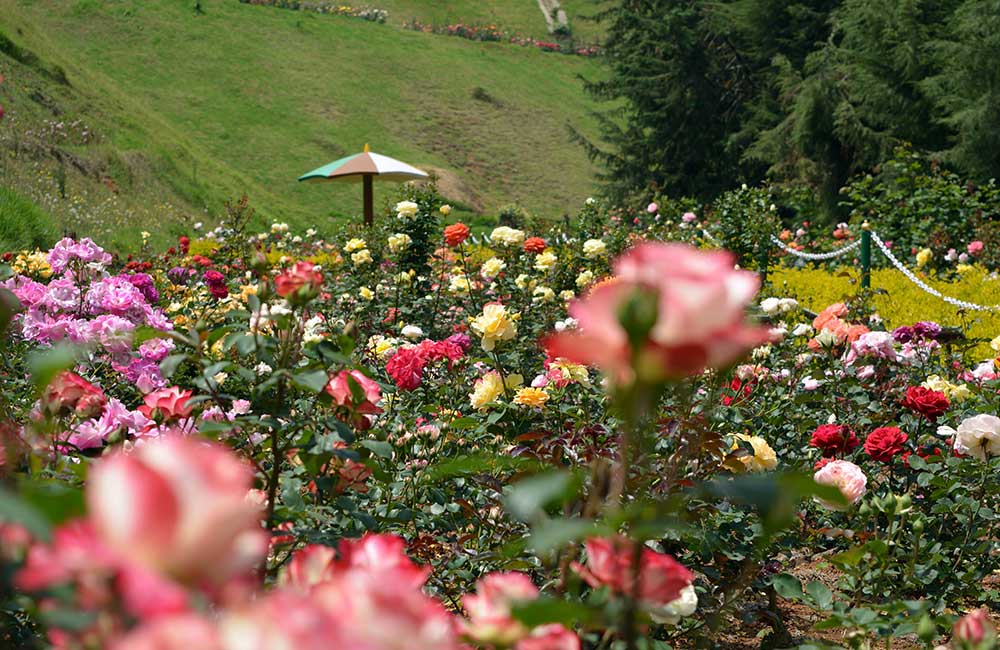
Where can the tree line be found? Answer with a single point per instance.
(703, 95)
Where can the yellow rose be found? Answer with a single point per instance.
(459, 284)
(543, 294)
(506, 236)
(486, 390)
(585, 279)
(571, 371)
(354, 244)
(763, 457)
(445, 210)
(535, 397)
(361, 257)
(954, 392)
(491, 268)
(495, 324)
(366, 293)
(398, 242)
(923, 257)
(546, 261)
(594, 248)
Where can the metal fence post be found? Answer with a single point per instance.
(866, 255)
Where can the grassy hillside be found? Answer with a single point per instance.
(185, 110)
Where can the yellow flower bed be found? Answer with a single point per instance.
(903, 303)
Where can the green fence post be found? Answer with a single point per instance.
(866, 255)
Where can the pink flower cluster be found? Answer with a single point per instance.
(86, 306)
(406, 366)
(164, 560)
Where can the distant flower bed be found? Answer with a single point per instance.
(494, 33)
(365, 13)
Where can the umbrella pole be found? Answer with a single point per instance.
(369, 199)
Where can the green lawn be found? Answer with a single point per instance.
(246, 98)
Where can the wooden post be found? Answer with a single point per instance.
(369, 199)
(866, 255)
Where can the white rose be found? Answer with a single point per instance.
(412, 332)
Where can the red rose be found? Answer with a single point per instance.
(455, 234)
(534, 245)
(184, 243)
(68, 393)
(834, 439)
(923, 452)
(885, 443)
(302, 279)
(928, 403)
(171, 403)
(735, 385)
(406, 368)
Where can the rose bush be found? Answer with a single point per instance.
(409, 437)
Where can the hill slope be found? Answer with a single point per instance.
(189, 110)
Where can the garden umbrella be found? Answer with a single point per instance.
(365, 167)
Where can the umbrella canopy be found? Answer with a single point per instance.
(365, 167)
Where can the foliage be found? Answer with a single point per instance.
(806, 93)
(914, 203)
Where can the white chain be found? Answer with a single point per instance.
(920, 283)
(816, 256)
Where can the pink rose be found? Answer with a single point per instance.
(69, 393)
(846, 477)
(489, 609)
(549, 637)
(609, 563)
(973, 628)
(975, 248)
(178, 506)
(183, 632)
(171, 403)
(652, 208)
(309, 566)
(699, 318)
(302, 280)
(339, 388)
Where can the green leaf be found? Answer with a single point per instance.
(820, 594)
(554, 533)
(528, 498)
(45, 365)
(15, 510)
(380, 448)
(464, 423)
(169, 365)
(477, 464)
(311, 380)
(787, 586)
(9, 305)
(544, 610)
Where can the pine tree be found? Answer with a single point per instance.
(665, 130)
(966, 91)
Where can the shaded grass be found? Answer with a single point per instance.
(23, 225)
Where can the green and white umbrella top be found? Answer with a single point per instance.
(366, 163)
